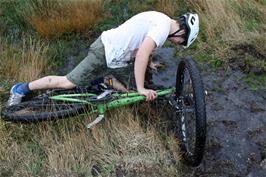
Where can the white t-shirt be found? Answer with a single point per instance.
(121, 43)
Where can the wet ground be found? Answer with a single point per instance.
(236, 120)
(236, 139)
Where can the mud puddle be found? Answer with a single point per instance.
(236, 139)
(236, 120)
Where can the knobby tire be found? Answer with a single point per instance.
(193, 158)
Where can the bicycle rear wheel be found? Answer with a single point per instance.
(41, 108)
(189, 112)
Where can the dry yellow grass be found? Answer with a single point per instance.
(169, 7)
(23, 63)
(67, 148)
(120, 143)
(226, 18)
(228, 23)
(217, 18)
(64, 16)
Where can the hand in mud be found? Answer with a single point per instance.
(155, 65)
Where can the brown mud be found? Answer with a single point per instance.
(236, 122)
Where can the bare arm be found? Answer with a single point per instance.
(140, 66)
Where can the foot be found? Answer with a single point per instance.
(17, 92)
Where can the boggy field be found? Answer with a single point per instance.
(41, 37)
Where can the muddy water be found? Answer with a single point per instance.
(236, 119)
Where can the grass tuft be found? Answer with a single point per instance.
(119, 144)
(169, 7)
(227, 24)
(23, 63)
(255, 82)
(53, 18)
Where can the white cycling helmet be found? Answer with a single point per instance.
(189, 22)
(192, 26)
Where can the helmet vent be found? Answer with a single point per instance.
(192, 20)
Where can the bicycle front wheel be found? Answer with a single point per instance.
(189, 105)
(42, 108)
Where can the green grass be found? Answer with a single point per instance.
(249, 13)
(35, 165)
(255, 82)
(251, 25)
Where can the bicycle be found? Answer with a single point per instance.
(186, 101)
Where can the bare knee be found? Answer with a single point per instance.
(65, 83)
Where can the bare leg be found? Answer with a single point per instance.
(119, 86)
(50, 82)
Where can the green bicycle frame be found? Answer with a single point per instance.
(120, 99)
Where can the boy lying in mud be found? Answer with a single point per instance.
(130, 44)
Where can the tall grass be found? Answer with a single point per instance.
(121, 144)
(229, 18)
(227, 23)
(52, 18)
(169, 7)
(22, 63)
(66, 148)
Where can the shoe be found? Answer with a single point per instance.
(15, 97)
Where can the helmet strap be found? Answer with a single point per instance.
(174, 34)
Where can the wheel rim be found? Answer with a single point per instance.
(186, 114)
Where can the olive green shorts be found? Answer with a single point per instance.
(94, 66)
